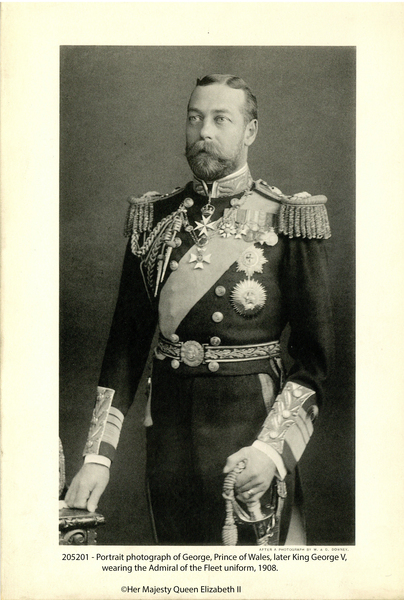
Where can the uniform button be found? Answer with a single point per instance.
(178, 242)
(217, 317)
(213, 366)
(188, 202)
(215, 341)
(175, 363)
(173, 265)
(297, 393)
(220, 290)
(286, 414)
(174, 338)
(273, 434)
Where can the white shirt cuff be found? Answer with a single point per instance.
(273, 455)
(97, 458)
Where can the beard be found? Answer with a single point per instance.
(208, 164)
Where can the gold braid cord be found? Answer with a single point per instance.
(147, 241)
(229, 531)
(153, 245)
(266, 527)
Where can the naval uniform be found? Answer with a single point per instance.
(221, 269)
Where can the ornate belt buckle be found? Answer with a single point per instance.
(192, 353)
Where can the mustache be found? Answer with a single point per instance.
(202, 147)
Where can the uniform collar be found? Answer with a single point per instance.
(232, 184)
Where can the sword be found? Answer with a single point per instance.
(266, 526)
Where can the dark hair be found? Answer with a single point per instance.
(250, 107)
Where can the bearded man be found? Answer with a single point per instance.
(222, 265)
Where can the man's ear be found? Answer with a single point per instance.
(250, 133)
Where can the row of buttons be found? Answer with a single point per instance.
(214, 340)
(217, 317)
(213, 366)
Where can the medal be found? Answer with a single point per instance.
(204, 226)
(248, 297)
(227, 229)
(199, 258)
(269, 238)
(251, 261)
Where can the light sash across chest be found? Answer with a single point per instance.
(186, 286)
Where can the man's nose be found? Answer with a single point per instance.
(206, 131)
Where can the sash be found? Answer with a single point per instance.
(186, 286)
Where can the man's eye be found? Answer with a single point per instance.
(220, 119)
(194, 118)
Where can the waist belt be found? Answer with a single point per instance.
(194, 354)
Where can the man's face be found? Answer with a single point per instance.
(217, 136)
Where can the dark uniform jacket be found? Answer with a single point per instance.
(222, 295)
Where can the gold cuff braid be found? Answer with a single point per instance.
(289, 420)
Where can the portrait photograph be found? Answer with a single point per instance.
(201, 281)
(123, 112)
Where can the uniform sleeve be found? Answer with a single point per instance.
(128, 345)
(305, 290)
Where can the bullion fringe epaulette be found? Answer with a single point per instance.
(304, 216)
(139, 219)
(301, 215)
(140, 213)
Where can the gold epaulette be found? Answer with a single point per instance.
(304, 216)
(139, 218)
(300, 215)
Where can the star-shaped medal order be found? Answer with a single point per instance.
(199, 258)
(227, 229)
(251, 261)
(248, 297)
(204, 226)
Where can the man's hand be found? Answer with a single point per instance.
(87, 487)
(257, 476)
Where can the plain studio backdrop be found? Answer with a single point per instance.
(123, 115)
